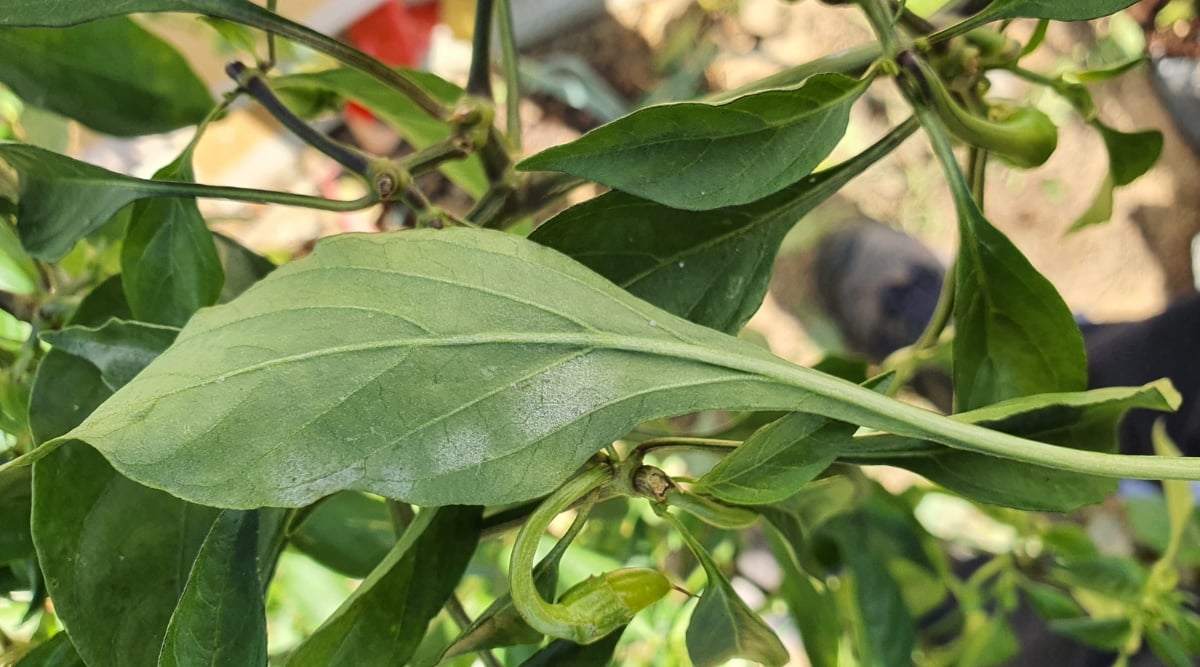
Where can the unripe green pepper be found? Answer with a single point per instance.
(1023, 136)
(592, 608)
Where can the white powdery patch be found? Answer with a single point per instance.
(561, 395)
(466, 447)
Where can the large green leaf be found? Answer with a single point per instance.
(220, 619)
(417, 128)
(513, 365)
(711, 267)
(119, 349)
(722, 627)
(112, 75)
(564, 652)
(54, 652)
(16, 502)
(169, 261)
(699, 156)
(384, 620)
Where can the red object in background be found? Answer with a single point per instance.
(396, 34)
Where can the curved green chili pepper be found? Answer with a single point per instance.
(594, 607)
(1023, 136)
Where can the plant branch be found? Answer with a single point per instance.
(512, 78)
(458, 614)
(479, 77)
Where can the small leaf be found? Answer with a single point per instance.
(169, 261)
(1130, 155)
(1108, 633)
(722, 627)
(698, 156)
(1178, 494)
(1054, 10)
(563, 652)
(1168, 647)
(120, 349)
(348, 532)
(814, 612)
(1049, 602)
(385, 618)
(395, 108)
(241, 266)
(711, 267)
(143, 87)
(60, 200)
(17, 271)
(778, 460)
(220, 618)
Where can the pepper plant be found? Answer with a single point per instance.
(415, 408)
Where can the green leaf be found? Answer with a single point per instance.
(722, 627)
(119, 349)
(814, 612)
(169, 261)
(1178, 494)
(1014, 335)
(886, 623)
(241, 266)
(396, 109)
(1054, 10)
(348, 532)
(220, 619)
(1169, 648)
(563, 652)
(699, 156)
(1083, 420)
(1107, 633)
(508, 385)
(60, 200)
(778, 460)
(711, 267)
(114, 580)
(1130, 154)
(1117, 578)
(54, 652)
(113, 76)
(384, 619)
(799, 517)
(1049, 602)
(17, 271)
(16, 502)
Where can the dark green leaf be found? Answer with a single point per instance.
(722, 627)
(115, 554)
(169, 262)
(1084, 420)
(1055, 10)
(563, 652)
(1109, 633)
(395, 108)
(710, 267)
(778, 460)
(220, 618)
(16, 501)
(1168, 647)
(698, 156)
(554, 360)
(989, 644)
(798, 518)
(105, 302)
(886, 622)
(113, 76)
(814, 612)
(54, 652)
(1114, 577)
(384, 619)
(1014, 335)
(60, 200)
(348, 532)
(1049, 602)
(242, 268)
(120, 349)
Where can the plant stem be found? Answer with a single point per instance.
(660, 444)
(197, 190)
(512, 78)
(257, 87)
(458, 614)
(883, 23)
(270, 64)
(479, 77)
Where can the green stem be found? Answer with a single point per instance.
(432, 157)
(271, 61)
(197, 190)
(691, 444)
(479, 77)
(883, 23)
(512, 79)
